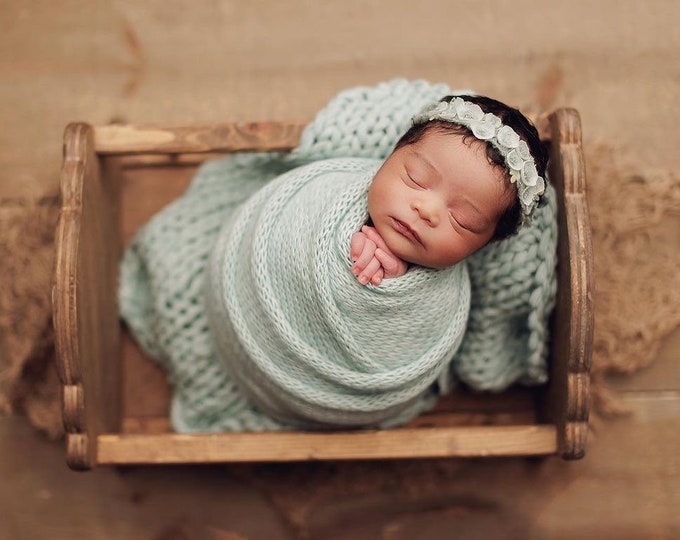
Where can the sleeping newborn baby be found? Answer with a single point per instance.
(445, 191)
(335, 294)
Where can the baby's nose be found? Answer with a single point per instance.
(427, 209)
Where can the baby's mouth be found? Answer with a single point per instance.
(406, 231)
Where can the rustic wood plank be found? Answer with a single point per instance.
(299, 446)
(108, 248)
(86, 325)
(146, 191)
(146, 392)
(80, 438)
(228, 137)
(567, 397)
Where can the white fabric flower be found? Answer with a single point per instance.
(441, 107)
(507, 137)
(540, 185)
(441, 110)
(523, 151)
(493, 120)
(526, 197)
(529, 194)
(468, 111)
(529, 173)
(456, 103)
(483, 129)
(514, 160)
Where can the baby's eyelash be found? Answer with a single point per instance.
(454, 221)
(413, 180)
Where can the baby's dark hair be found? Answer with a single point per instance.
(509, 222)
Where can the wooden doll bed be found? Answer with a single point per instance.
(115, 400)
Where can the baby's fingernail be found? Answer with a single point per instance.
(363, 280)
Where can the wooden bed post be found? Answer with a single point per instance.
(567, 395)
(87, 332)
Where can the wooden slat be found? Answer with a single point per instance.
(146, 191)
(299, 446)
(228, 137)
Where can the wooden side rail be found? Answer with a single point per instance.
(254, 136)
(404, 443)
(569, 387)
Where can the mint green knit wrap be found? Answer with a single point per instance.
(164, 289)
(304, 340)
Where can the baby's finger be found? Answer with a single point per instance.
(378, 277)
(365, 257)
(356, 245)
(367, 274)
(392, 265)
(374, 235)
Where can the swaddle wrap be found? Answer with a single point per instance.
(300, 335)
(164, 286)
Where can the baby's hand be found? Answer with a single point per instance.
(373, 260)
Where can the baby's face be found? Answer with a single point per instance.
(438, 200)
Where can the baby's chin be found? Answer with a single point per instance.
(427, 262)
(416, 260)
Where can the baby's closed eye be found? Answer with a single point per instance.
(457, 221)
(464, 222)
(411, 181)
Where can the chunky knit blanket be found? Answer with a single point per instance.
(301, 344)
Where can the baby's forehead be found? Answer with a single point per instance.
(462, 157)
(438, 146)
(436, 138)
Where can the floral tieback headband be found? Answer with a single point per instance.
(488, 127)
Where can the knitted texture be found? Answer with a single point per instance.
(162, 293)
(300, 335)
(163, 280)
(513, 290)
